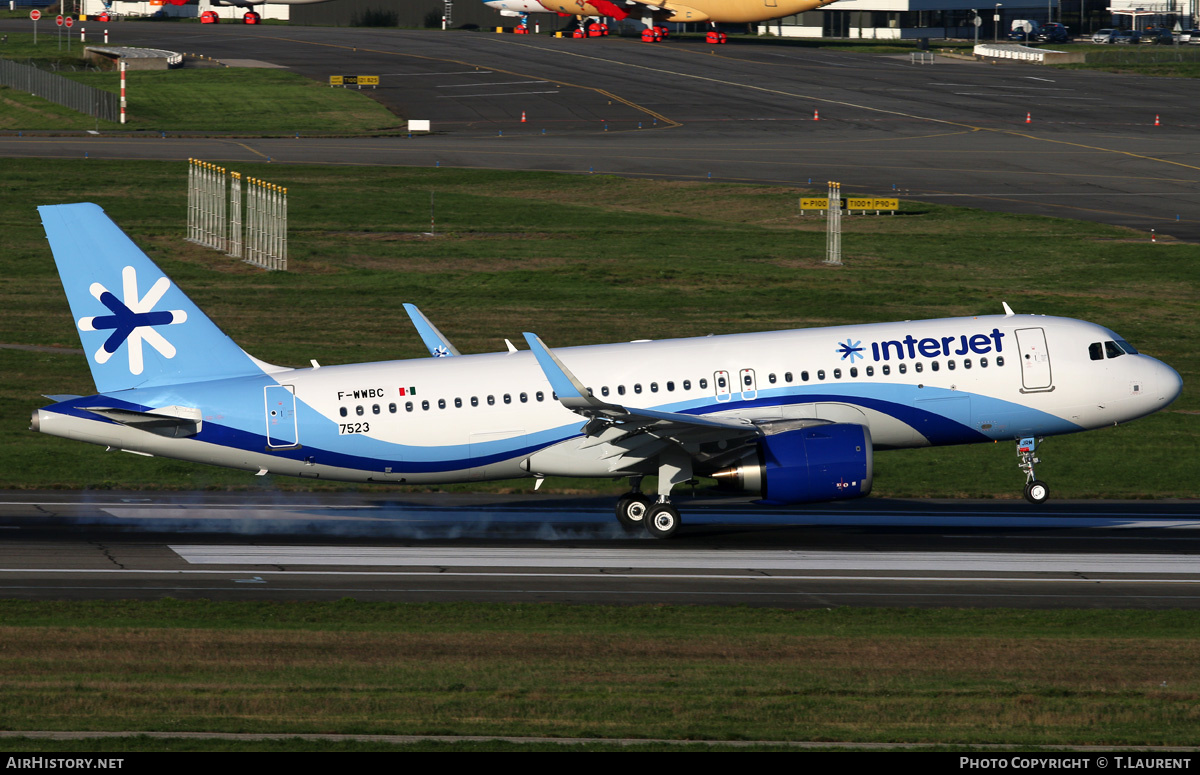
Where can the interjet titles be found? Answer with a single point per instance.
(929, 347)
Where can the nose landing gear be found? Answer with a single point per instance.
(1036, 491)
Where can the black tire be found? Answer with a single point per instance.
(631, 510)
(1037, 492)
(662, 520)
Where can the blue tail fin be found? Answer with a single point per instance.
(137, 327)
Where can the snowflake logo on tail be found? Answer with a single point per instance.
(132, 320)
(851, 350)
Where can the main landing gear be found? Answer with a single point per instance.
(1036, 491)
(636, 511)
(657, 515)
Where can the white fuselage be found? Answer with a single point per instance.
(492, 416)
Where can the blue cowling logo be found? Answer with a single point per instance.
(851, 350)
(132, 320)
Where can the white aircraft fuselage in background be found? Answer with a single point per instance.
(792, 415)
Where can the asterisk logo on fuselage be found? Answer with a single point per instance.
(440, 352)
(850, 350)
(132, 320)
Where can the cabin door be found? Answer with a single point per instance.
(282, 430)
(1035, 359)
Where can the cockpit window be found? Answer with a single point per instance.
(1112, 350)
(1126, 346)
(1096, 350)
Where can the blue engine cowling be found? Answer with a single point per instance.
(808, 465)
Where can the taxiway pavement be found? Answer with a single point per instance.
(951, 132)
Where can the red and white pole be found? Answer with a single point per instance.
(122, 66)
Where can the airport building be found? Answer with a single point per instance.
(914, 19)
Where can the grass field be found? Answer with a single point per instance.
(245, 101)
(1021, 678)
(641, 259)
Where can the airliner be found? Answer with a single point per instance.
(792, 417)
(657, 11)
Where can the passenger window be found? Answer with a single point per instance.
(950, 365)
(999, 360)
(408, 406)
(525, 398)
(508, 396)
(375, 409)
(919, 367)
(343, 411)
(820, 373)
(620, 390)
(870, 371)
(787, 376)
(425, 406)
(747, 381)
(604, 390)
(1096, 351)
(637, 387)
(853, 371)
(458, 403)
(983, 363)
(358, 410)
(720, 382)
(966, 363)
(903, 368)
(392, 408)
(653, 387)
(474, 400)
(703, 384)
(886, 369)
(539, 396)
(670, 387)
(441, 403)
(491, 400)
(771, 378)
(804, 376)
(933, 366)
(687, 384)
(837, 373)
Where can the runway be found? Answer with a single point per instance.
(953, 132)
(523, 548)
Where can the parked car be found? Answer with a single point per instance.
(1127, 36)
(1158, 35)
(1053, 33)
(1190, 36)
(1103, 36)
(1019, 31)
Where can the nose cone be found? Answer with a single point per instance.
(1170, 384)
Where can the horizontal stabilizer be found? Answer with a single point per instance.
(174, 422)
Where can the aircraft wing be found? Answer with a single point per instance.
(634, 434)
(435, 341)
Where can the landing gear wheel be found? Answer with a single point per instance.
(1037, 492)
(662, 520)
(631, 510)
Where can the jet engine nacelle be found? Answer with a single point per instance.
(819, 463)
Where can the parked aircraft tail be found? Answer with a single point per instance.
(137, 327)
